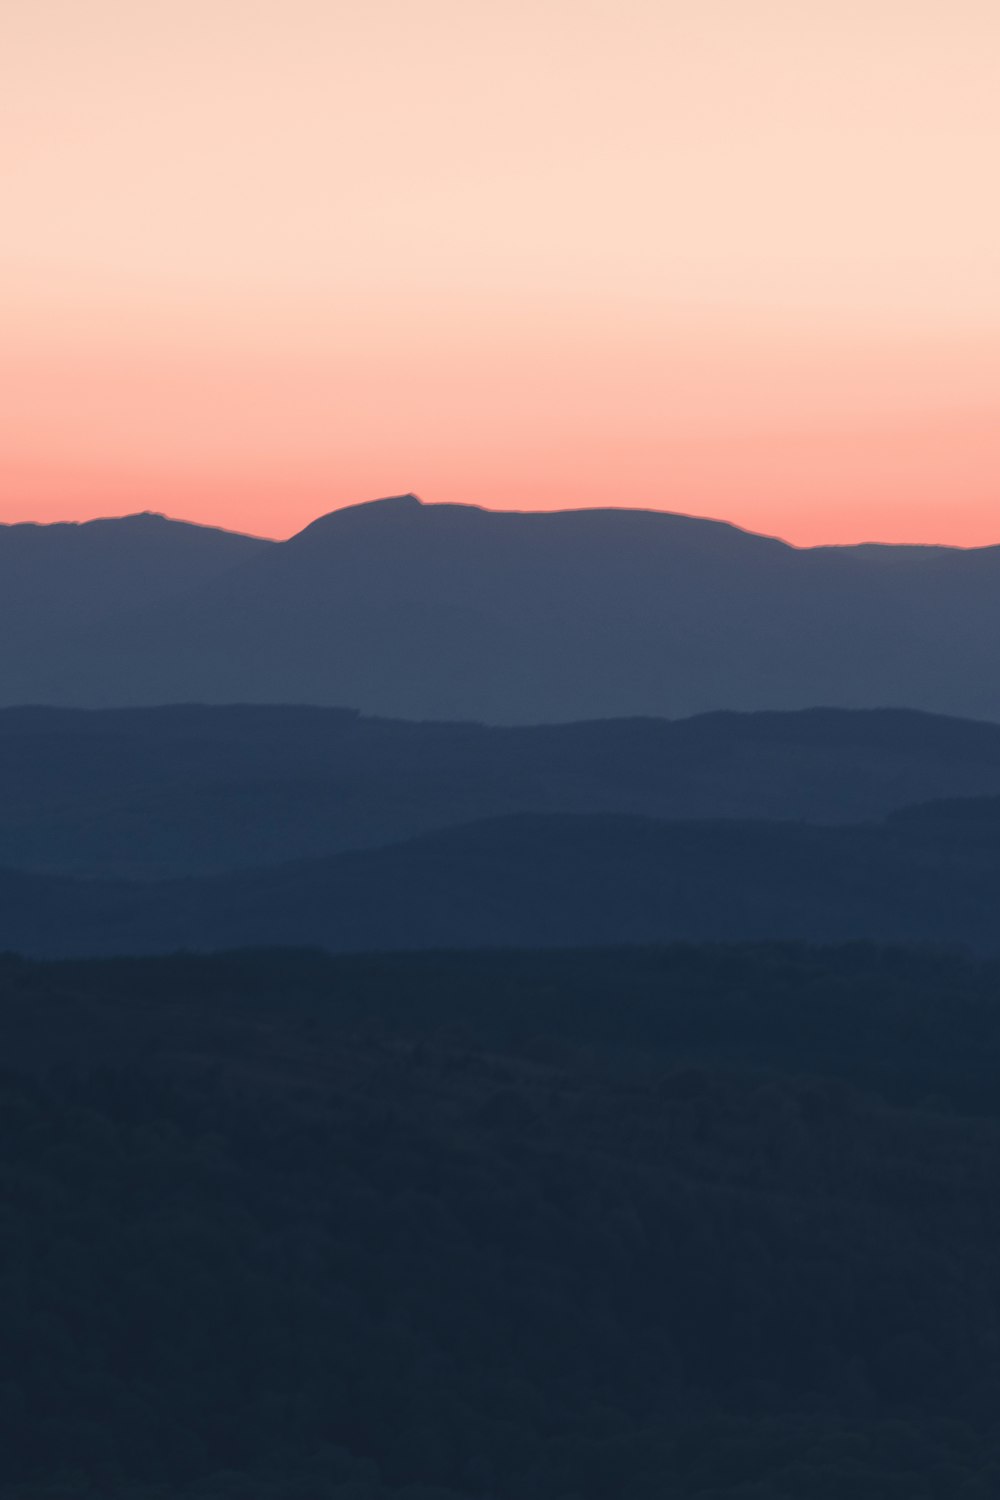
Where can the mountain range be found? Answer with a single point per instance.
(195, 790)
(927, 875)
(452, 612)
(306, 1172)
(549, 740)
(149, 830)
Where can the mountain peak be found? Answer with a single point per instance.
(397, 502)
(388, 507)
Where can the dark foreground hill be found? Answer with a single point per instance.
(193, 790)
(706, 1224)
(424, 611)
(931, 876)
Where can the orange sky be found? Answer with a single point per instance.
(738, 257)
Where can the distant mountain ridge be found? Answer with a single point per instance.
(549, 881)
(189, 790)
(452, 612)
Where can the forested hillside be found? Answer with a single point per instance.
(693, 1222)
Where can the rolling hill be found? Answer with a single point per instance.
(550, 881)
(167, 792)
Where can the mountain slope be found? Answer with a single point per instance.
(420, 611)
(187, 790)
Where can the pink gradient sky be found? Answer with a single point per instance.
(261, 258)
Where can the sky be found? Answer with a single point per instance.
(263, 258)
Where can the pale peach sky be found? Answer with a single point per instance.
(261, 258)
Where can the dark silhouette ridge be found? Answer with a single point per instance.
(453, 612)
(193, 790)
(544, 881)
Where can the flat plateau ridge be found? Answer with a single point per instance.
(418, 611)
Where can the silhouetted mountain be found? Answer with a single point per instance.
(188, 790)
(58, 583)
(454, 612)
(550, 881)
